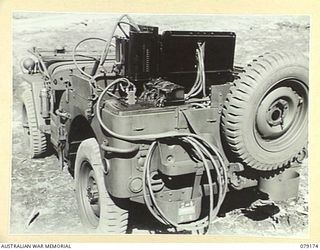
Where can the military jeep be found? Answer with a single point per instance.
(165, 120)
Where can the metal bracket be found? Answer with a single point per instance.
(45, 129)
(61, 158)
(236, 181)
(62, 133)
(63, 115)
(181, 122)
(197, 183)
(89, 112)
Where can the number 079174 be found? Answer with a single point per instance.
(309, 245)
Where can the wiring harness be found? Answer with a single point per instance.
(200, 82)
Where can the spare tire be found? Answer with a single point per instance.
(265, 115)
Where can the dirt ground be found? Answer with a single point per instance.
(42, 191)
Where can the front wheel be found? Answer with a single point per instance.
(34, 138)
(98, 211)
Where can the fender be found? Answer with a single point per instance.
(77, 114)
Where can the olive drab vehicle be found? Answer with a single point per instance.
(165, 120)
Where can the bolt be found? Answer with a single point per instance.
(300, 100)
(141, 161)
(106, 166)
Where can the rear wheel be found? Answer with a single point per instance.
(265, 116)
(98, 211)
(35, 139)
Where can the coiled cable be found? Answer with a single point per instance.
(155, 209)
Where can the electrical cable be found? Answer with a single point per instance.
(199, 105)
(106, 49)
(200, 224)
(202, 50)
(145, 177)
(201, 73)
(74, 54)
(123, 31)
(196, 84)
(223, 180)
(119, 80)
(162, 217)
(200, 83)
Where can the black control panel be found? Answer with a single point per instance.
(172, 55)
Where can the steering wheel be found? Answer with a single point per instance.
(97, 60)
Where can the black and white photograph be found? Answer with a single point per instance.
(160, 124)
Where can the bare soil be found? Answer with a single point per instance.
(42, 195)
